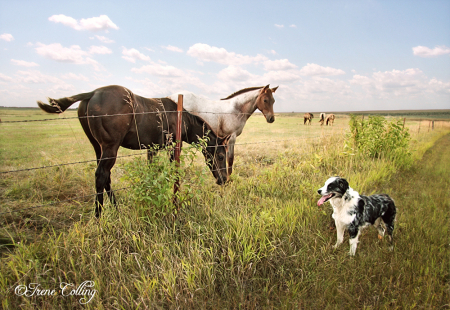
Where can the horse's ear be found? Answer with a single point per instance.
(274, 89)
(265, 88)
(226, 139)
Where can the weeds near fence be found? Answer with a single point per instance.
(378, 138)
(152, 183)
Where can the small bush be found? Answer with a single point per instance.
(376, 138)
(152, 183)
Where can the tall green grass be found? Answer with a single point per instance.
(258, 242)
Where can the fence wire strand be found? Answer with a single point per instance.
(122, 156)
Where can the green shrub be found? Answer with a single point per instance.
(152, 183)
(378, 138)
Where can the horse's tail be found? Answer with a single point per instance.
(62, 104)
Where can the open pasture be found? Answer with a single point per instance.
(258, 242)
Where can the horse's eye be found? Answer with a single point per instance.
(221, 157)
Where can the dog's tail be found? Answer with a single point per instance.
(62, 104)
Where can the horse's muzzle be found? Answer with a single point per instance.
(221, 180)
(270, 118)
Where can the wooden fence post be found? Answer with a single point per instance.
(177, 151)
(404, 120)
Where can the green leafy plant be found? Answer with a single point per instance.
(152, 182)
(378, 138)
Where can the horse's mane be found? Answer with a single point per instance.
(241, 92)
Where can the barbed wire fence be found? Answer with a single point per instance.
(432, 123)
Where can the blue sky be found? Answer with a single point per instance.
(324, 55)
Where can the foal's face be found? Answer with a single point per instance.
(265, 102)
(215, 153)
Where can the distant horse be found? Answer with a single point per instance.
(307, 117)
(322, 118)
(330, 119)
(228, 116)
(113, 116)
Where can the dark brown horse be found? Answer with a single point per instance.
(112, 116)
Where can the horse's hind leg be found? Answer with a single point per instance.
(103, 177)
(110, 192)
(230, 155)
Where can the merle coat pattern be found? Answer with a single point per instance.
(353, 212)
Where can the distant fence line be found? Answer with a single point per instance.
(431, 126)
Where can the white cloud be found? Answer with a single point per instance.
(281, 76)
(65, 20)
(439, 86)
(73, 76)
(133, 54)
(423, 51)
(279, 26)
(55, 51)
(159, 70)
(280, 64)
(235, 73)
(361, 80)
(73, 54)
(104, 39)
(102, 50)
(293, 26)
(36, 77)
(173, 48)
(273, 52)
(316, 70)
(7, 37)
(406, 83)
(24, 63)
(5, 78)
(398, 79)
(99, 23)
(204, 52)
(320, 85)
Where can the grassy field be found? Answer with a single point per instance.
(260, 242)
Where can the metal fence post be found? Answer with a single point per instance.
(177, 151)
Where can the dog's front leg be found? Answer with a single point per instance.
(340, 228)
(354, 235)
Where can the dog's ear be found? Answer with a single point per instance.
(343, 184)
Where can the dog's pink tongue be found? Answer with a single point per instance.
(322, 200)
